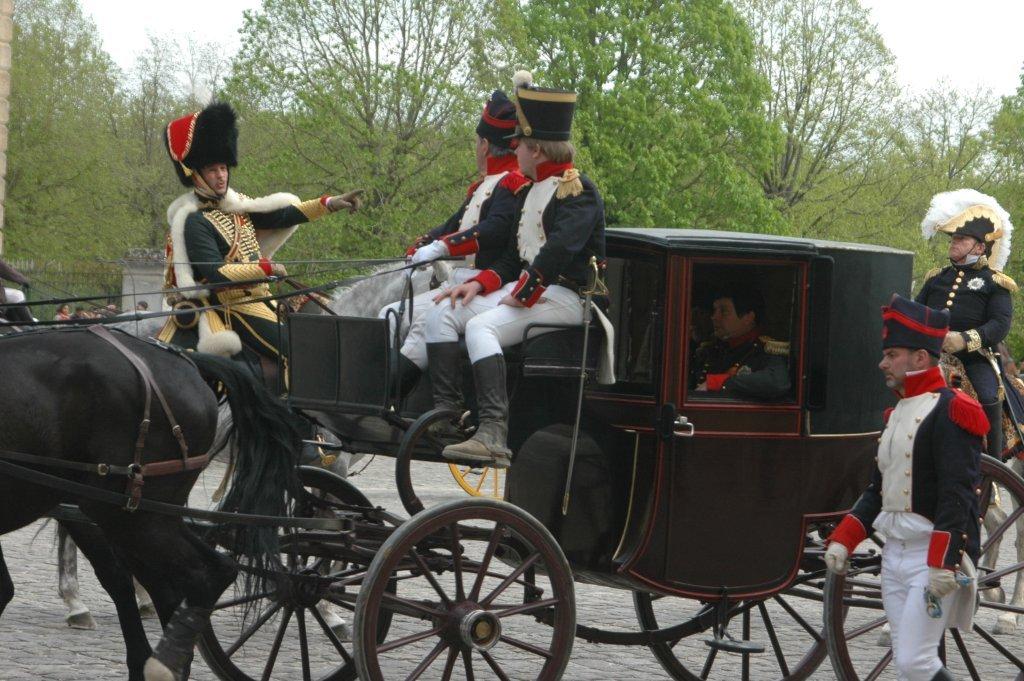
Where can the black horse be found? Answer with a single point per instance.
(71, 396)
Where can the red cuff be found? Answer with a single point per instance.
(489, 279)
(409, 251)
(528, 292)
(461, 243)
(850, 532)
(937, 549)
(265, 266)
(716, 381)
(323, 201)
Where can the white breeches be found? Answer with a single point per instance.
(915, 635)
(489, 327)
(13, 296)
(415, 346)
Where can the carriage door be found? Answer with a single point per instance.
(729, 414)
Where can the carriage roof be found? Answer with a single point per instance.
(673, 239)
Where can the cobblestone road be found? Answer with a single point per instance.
(36, 644)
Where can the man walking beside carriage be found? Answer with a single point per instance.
(219, 236)
(975, 291)
(922, 494)
(537, 280)
(479, 230)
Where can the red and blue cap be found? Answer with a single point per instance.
(908, 324)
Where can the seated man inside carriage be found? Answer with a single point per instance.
(740, 360)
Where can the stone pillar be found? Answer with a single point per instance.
(6, 33)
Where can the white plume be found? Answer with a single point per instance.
(947, 205)
(522, 78)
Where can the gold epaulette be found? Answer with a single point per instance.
(774, 347)
(569, 184)
(1005, 281)
(932, 272)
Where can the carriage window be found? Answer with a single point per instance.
(743, 322)
(637, 285)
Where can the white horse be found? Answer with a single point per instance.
(364, 298)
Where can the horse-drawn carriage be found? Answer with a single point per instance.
(709, 508)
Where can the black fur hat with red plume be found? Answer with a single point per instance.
(202, 138)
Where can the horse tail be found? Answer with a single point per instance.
(268, 440)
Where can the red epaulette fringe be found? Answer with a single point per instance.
(968, 414)
(514, 181)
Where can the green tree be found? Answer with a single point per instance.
(833, 90)
(670, 119)
(63, 177)
(378, 94)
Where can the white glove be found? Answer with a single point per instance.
(954, 342)
(941, 581)
(432, 251)
(837, 558)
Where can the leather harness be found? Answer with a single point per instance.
(136, 471)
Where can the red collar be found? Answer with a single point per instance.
(927, 381)
(502, 164)
(549, 169)
(748, 337)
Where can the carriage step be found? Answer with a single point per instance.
(731, 645)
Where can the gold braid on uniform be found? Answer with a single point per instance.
(1005, 281)
(932, 272)
(569, 184)
(973, 339)
(774, 347)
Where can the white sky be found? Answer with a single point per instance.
(970, 43)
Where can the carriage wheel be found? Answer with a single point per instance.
(794, 644)
(482, 481)
(419, 438)
(288, 633)
(857, 641)
(463, 605)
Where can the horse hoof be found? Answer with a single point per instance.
(884, 638)
(147, 611)
(1006, 624)
(155, 670)
(335, 622)
(81, 620)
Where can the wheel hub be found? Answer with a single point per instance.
(480, 630)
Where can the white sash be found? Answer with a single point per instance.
(531, 223)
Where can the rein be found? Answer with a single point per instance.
(134, 317)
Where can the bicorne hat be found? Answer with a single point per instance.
(543, 113)
(202, 138)
(909, 324)
(970, 213)
(498, 120)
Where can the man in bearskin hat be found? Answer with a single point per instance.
(922, 494)
(974, 290)
(537, 280)
(479, 230)
(218, 236)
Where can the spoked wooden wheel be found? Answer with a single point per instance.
(787, 625)
(463, 607)
(301, 628)
(858, 640)
(479, 481)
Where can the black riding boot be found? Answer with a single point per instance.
(943, 675)
(490, 442)
(445, 367)
(408, 375)
(16, 314)
(994, 412)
